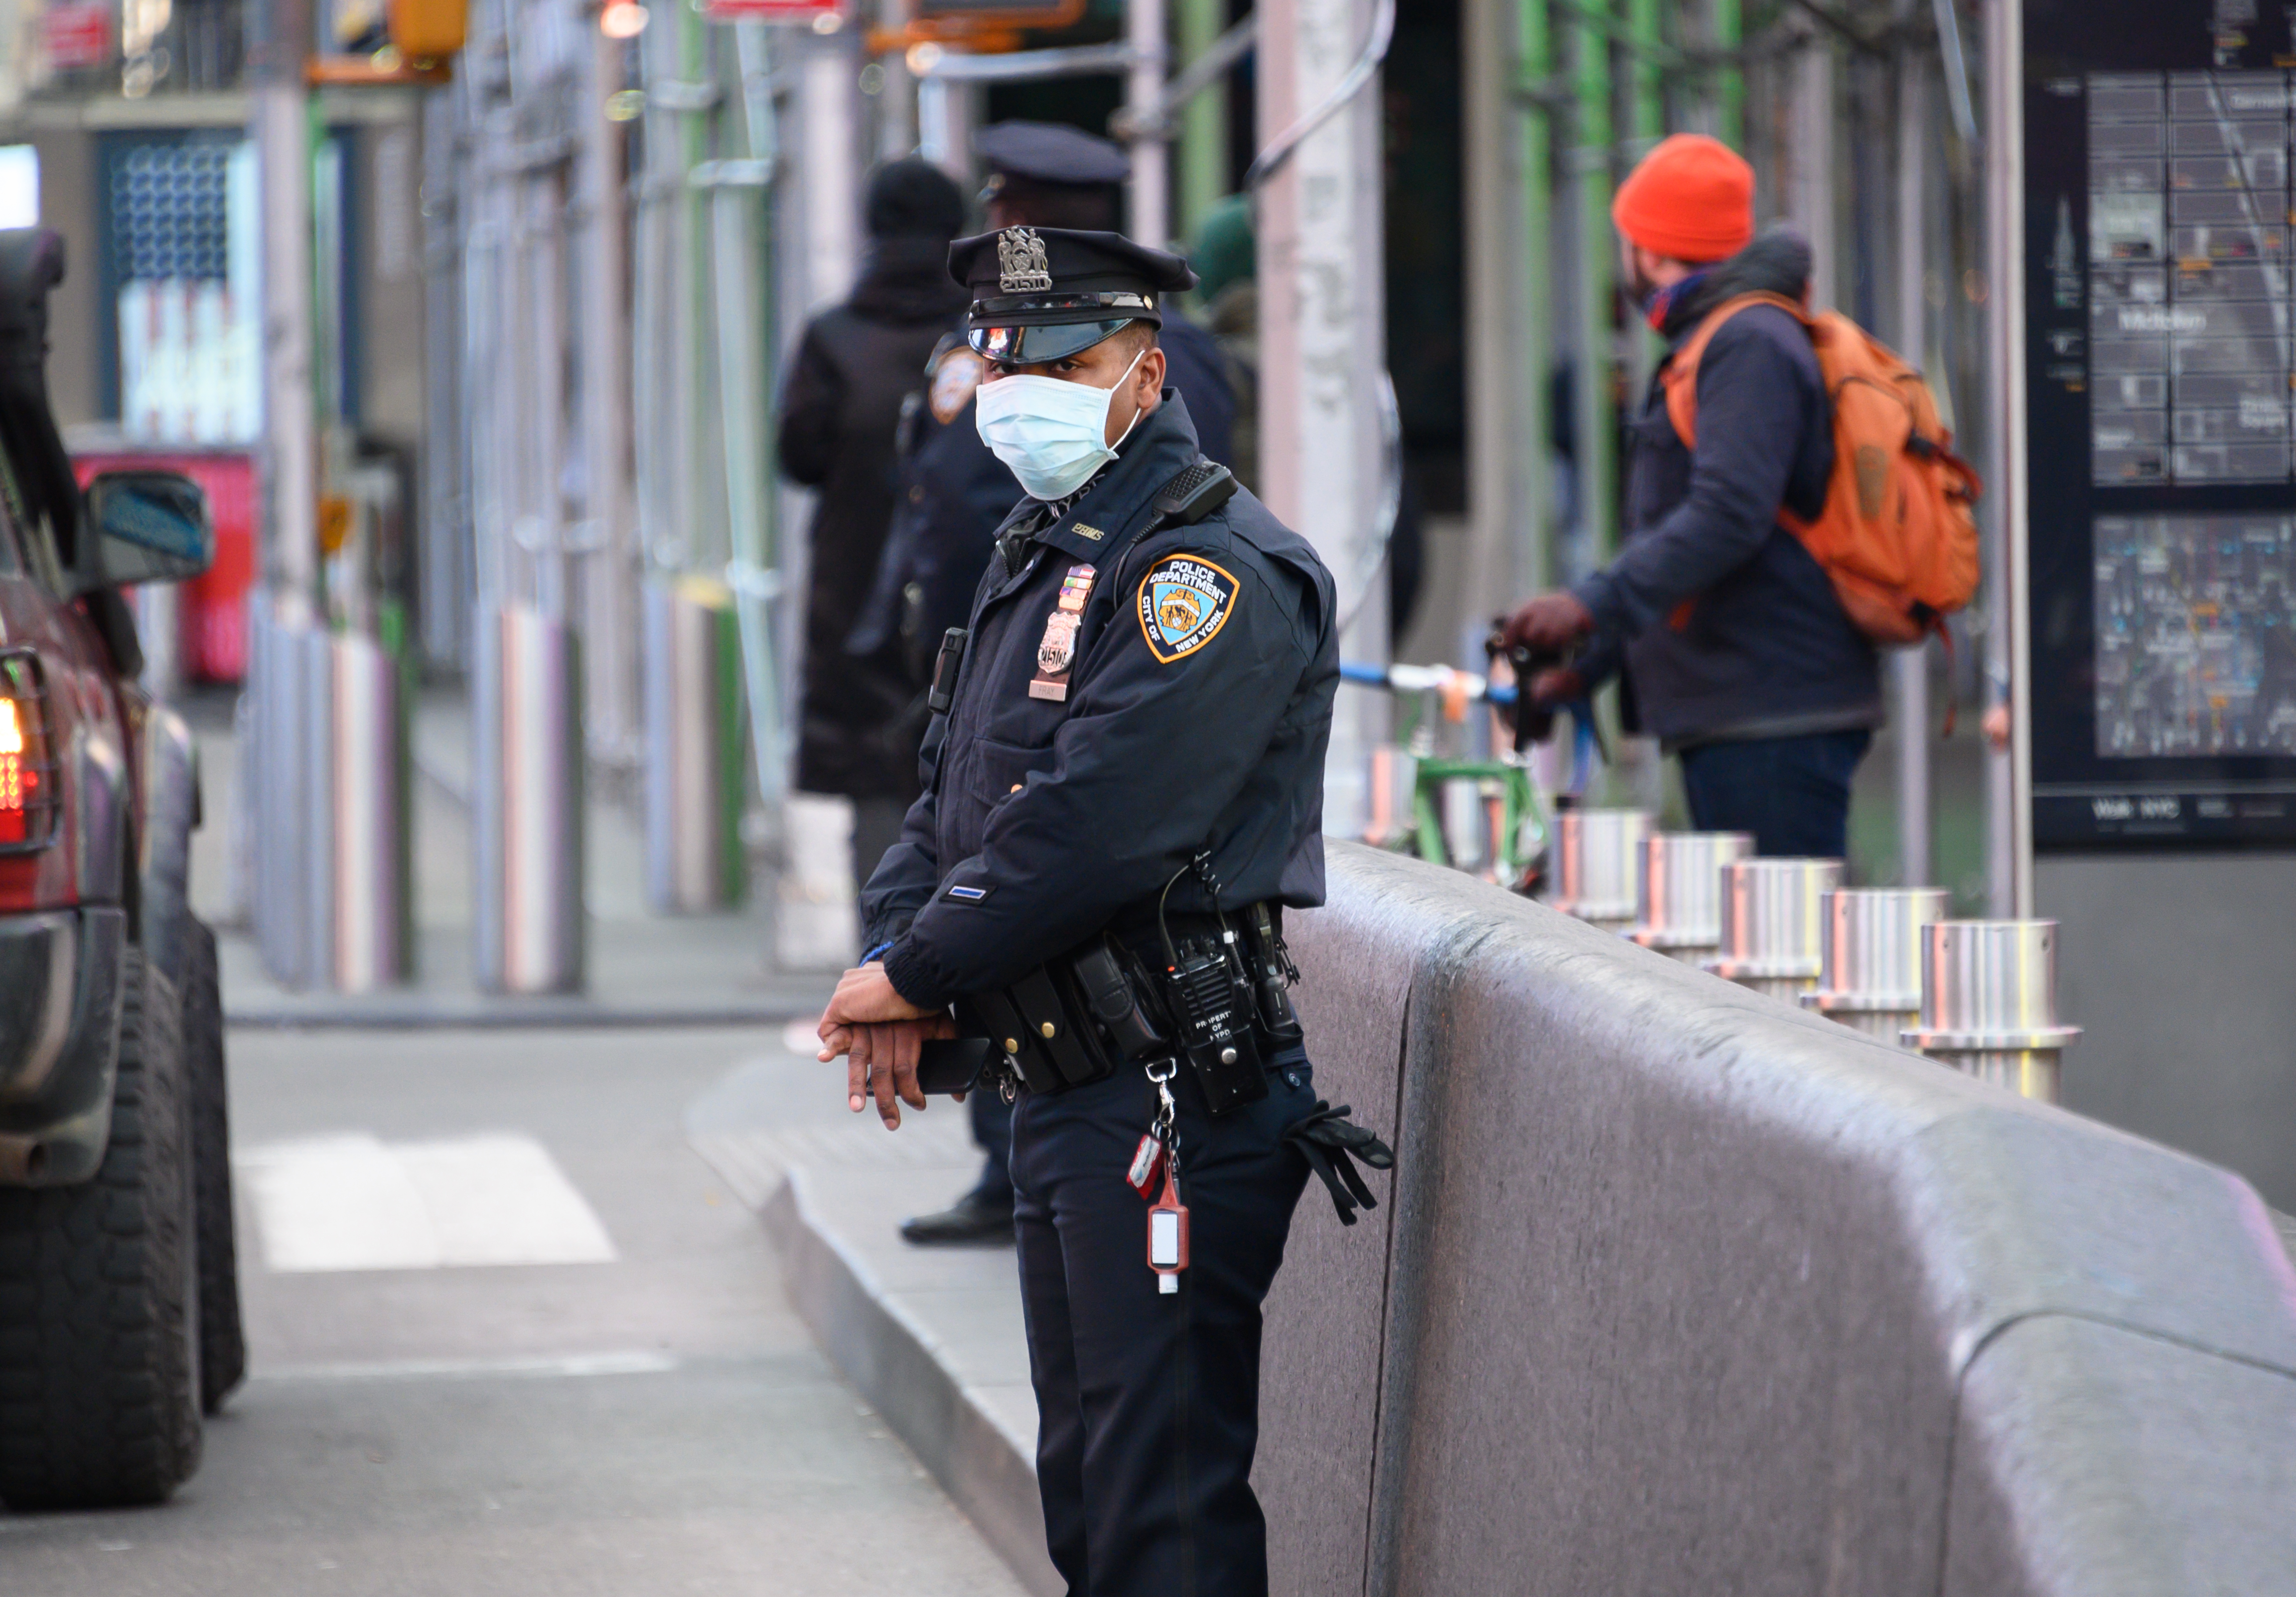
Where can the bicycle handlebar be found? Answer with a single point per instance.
(1423, 679)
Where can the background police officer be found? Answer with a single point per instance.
(954, 494)
(1134, 742)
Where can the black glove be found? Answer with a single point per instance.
(1331, 1146)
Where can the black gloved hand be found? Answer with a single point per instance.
(1331, 1144)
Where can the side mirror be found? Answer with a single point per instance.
(149, 526)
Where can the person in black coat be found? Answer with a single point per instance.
(840, 408)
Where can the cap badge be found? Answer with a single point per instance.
(1021, 264)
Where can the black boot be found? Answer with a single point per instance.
(972, 1221)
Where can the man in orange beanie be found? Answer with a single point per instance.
(1736, 653)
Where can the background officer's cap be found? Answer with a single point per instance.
(1042, 293)
(1048, 152)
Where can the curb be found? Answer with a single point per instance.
(888, 1358)
(504, 1015)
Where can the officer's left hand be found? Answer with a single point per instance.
(880, 1033)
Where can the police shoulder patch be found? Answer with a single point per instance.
(1184, 600)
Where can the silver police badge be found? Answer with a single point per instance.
(1056, 653)
(1021, 264)
(1057, 648)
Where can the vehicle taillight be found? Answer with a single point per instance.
(27, 799)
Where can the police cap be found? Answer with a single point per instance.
(1050, 152)
(1043, 293)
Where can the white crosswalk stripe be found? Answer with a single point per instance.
(355, 1202)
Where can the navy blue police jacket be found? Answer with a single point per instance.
(1190, 711)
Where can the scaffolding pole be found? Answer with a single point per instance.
(1203, 121)
(1909, 675)
(289, 456)
(1729, 83)
(1596, 419)
(744, 198)
(2009, 834)
(1143, 87)
(1649, 97)
(610, 585)
(1323, 334)
(1535, 563)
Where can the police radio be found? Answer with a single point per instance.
(1210, 996)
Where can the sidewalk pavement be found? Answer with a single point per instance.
(643, 969)
(930, 1337)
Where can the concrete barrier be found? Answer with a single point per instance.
(1680, 1288)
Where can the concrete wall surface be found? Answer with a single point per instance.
(1682, 1290)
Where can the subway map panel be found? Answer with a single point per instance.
(2196, 636)
(2188, 277)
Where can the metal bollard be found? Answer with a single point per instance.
(695, 779)
(1872, 942)
(1598, 868)
(1771, 925)
(325, 773)
(1680, 903)
(1990, 1003)
(314, 663)
(275, 770)
(372, 936)
(528, 797)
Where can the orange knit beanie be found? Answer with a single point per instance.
(1691, 199)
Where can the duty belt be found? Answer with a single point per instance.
(1221, 1004)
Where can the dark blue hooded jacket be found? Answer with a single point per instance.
(1765, 650)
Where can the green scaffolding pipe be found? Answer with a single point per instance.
(1203, 122)
(1730, 86)
(1535, 561)
(1649, 99)
(1597, 427)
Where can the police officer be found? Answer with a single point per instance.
(954, 494)
(1128, 768)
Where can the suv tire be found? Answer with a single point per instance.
(223, 1344)
(99, 1288)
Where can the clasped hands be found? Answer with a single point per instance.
(880, 1035)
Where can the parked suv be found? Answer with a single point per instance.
(119, 1291)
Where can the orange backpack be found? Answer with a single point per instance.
(1896, 534)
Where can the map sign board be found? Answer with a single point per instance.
(2159, 300)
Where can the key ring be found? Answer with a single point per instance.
(1165, 1132)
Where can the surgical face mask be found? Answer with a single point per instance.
(1053, 435)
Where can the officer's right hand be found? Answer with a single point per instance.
(882, 1064)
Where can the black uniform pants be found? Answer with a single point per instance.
(1148, 1406)
(992, 1129)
